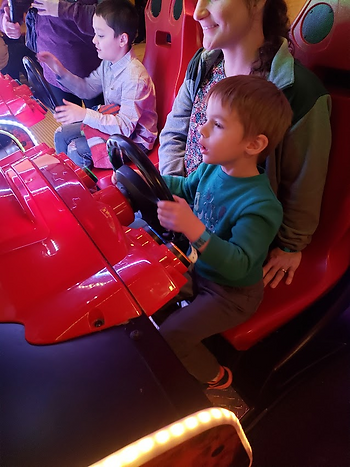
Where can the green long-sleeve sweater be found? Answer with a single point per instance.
(243, 216)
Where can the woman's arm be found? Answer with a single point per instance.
(85, 88)
(78, 12)
(304, 165)
(303, 169)
(173, 137)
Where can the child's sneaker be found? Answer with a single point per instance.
(224, 381)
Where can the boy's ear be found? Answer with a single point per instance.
(123, 39)
(257, 145)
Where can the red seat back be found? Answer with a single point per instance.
(320, 34)
(173, 36)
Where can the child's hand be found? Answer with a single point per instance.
(69, 113)
(52, 62)
(12, 30)
(178, 216)
(114, 178)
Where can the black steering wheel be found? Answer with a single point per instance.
(142, 194)
(17, 9)
(39, 85)
(122, 150)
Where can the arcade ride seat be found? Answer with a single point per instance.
(320, 35)
(173, 37)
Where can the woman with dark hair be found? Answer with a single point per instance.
(242, 37)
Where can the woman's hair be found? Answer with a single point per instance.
(275, 26)
(121, 16)
(261, 107)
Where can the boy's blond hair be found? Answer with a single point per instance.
(261, 107)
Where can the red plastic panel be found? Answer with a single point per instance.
(53, 278)
(16, 102)
(326, 25)
(68, 267)
(154, 275)
(170, 45)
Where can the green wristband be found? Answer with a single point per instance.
(201, 240)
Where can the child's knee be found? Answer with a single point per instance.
(71, 146)
(58, 134)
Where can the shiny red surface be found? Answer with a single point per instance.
(68, 265)
(331, 53)
(17, 103)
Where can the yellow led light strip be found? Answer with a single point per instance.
(16, 140)
(155, 444)
(19, 125)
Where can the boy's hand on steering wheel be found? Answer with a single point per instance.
(178, 216)
(69, 113)
(52, 62)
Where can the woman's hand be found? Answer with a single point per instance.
(69, 113)
(178, 216)
(12, 30)
(280, 264)
(46, 7)
(52, 62)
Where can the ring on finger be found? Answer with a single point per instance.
(283, 270)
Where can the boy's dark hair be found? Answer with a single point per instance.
(261, 107)
(121, 16)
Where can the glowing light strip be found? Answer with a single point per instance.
(155, 444)
(20, 125)
(11, 136)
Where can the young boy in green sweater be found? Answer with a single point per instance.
(234, 219)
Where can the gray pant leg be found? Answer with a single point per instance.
(215, 309)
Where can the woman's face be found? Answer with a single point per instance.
(226, 23)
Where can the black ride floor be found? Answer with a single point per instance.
(310, 425)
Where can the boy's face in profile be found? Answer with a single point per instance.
(222, 136)
(108, 47)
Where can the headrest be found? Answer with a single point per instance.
(320, 34)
